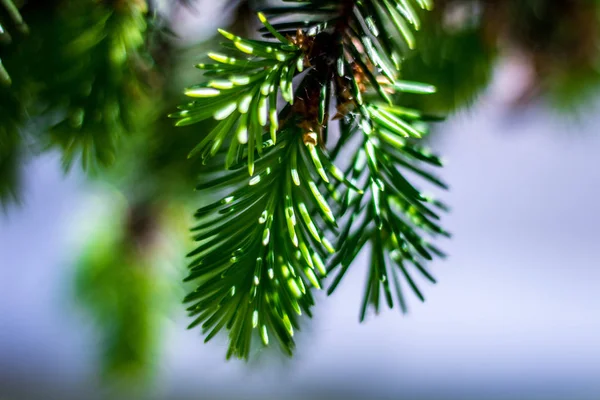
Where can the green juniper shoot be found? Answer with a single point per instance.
(300, 204)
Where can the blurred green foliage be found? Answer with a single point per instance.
(12, 112)
(127, 281)
(461, 42)
(94, 76)
(80, 79)
(117, 285)
(11, 115)
(561, 38)
(452, 53)
(84, 81)
(10, 19)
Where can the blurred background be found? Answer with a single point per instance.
(94, 229)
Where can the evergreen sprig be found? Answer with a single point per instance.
(392, 215)
(243, 95)
(264, 244)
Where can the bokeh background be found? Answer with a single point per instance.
(516, 312)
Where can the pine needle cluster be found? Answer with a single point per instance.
(315, 159)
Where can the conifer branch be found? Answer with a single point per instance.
(267, 242)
